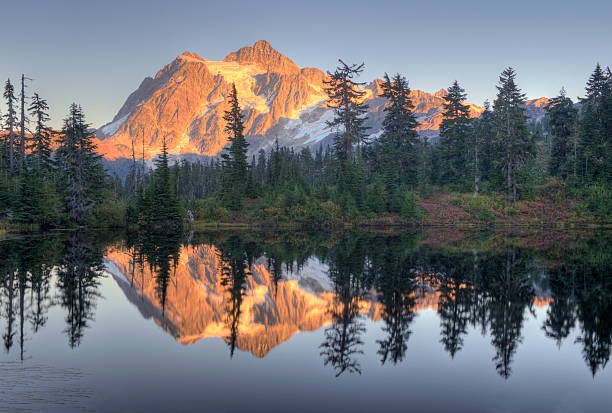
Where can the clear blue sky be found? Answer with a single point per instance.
(97, 52)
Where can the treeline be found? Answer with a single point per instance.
(498, 152)
(51, 178)
(56, 178)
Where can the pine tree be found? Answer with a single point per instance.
(484, 134)
(595, 127)
(596, 86)
(346, 100)
(164, 212)
(454, 135)
(10, 119)
(514, 145)
(562, 118)
(82, 173)
(399, 141)
(23, 121)
(41, 139)
(235, 166)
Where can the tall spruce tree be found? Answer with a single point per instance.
(454, 135)
(41, 137)
(399, 141)
(595, 127)
(82, 174)
(234, 158)
(22, 124)
(10, 120)
(164, 213)
(562, 120)
(345, 98)
(513, 141)
(596, 86)
(483, 145)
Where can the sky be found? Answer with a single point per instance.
(96, 53)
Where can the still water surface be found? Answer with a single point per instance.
(269, 322)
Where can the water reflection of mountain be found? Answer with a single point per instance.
(256, 293)
(196, 300)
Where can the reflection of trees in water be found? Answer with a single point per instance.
(9, 286)
(395, 284)
(489, 290)
(24, 276)
(161, 254)
(236, 260)
(454, 311)
(78, 283)
(561, 312)
(343, 338)
(510, 295)
(581, 286)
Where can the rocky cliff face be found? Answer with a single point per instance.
(185, 101)
(184, 104)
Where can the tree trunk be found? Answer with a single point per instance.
(509, 179)
(23, 138)
(11, 122)
(476, 170)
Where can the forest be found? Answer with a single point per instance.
(494, 169)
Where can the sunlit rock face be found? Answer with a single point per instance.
(185, 101)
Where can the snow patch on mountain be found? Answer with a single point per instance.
(243, 76)
(309, 127)
(113, 127)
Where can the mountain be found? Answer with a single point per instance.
(185, 102)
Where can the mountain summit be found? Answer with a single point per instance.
(185, 102)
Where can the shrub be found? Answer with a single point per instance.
(405, 202)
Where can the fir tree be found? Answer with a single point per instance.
(513, 141)
(41, 139)
(23, 121)
(10, 119)
(454, 135)
(596, 85)
(235, 166)
(484, 137)
(346, 100)
(164, 209)
(595, 127)
(562, 118)
(399, 140)
(82, 173)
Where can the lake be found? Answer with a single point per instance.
(235, 321)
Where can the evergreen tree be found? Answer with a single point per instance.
(23, 121)
(164, 210)
(41, 139)
(10, 119)
(596, 86)
(454, 135)
(346, 100)
(562, 118)
(514, 145)
(235, 158)
(82, 173)
(595, 128)
(484, 136)
(399, 141)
